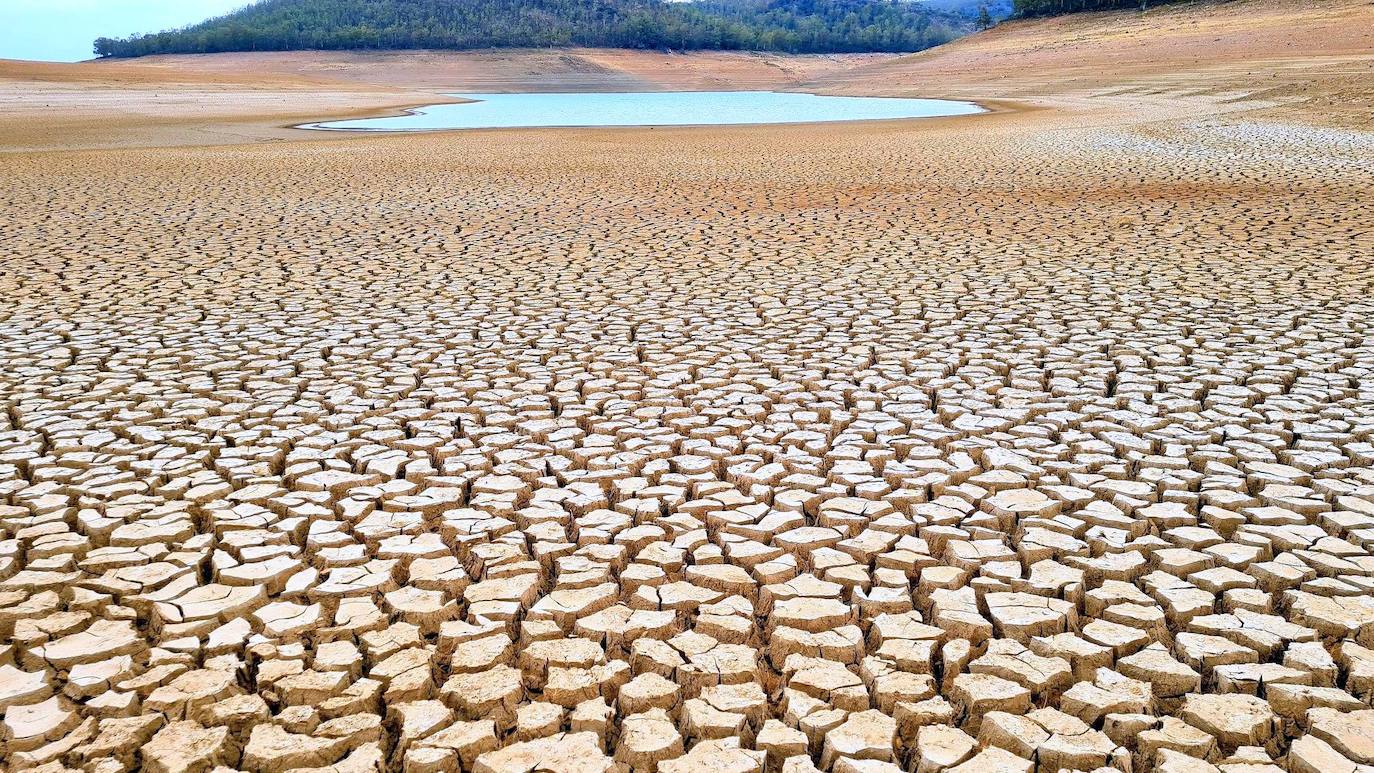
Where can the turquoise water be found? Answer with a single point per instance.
(673, 108)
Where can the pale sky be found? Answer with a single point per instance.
(62, 30)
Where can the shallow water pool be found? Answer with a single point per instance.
(672, 108)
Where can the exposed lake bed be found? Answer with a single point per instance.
(671, 108)
(1033, 438)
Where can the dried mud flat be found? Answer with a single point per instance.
(1031, 441)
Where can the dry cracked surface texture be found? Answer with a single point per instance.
(1033, 441)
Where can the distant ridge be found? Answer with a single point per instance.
(795, 26)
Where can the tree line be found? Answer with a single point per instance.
(794, 26)
(1055, 7)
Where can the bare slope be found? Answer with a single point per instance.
(584, 69)
(1318, 53)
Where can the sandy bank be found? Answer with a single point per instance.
(231, 98)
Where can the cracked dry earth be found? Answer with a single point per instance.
(1002, 444)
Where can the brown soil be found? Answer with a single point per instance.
(146, 103)
(536, 70)
(1315, 54)
(227, 98)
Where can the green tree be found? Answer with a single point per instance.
(808, 26)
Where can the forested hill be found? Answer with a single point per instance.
(798, 26)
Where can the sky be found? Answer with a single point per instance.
(62, 30)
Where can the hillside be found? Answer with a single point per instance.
(523, 69)
(794, 26)
(1313, 53)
